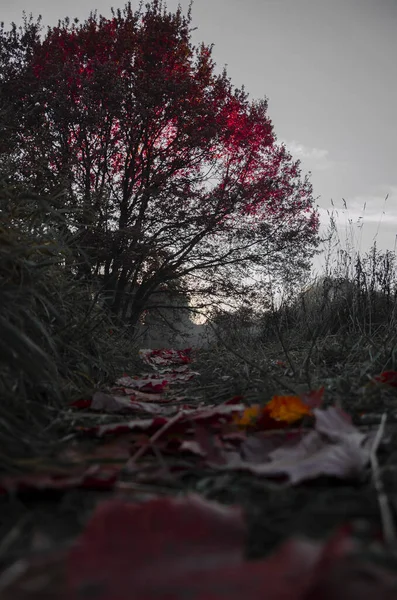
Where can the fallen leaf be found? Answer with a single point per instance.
(249, 416)
(276, 414)
(145, 396)
(166, 356)
(191, 548)
(144, 385)
(387, 377)
(179, 548)
(287, 408)
(314, 398)
(335, 448)
(108, 403)
(257, 447)
(216, 416)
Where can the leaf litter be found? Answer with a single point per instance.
(190, 548)
(162, 548)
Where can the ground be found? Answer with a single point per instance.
(48, 504)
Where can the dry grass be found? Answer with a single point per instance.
(339, 332)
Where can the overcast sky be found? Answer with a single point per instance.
(329, 71)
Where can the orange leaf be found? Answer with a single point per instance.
(287, 408)
(249, 416)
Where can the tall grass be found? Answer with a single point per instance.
(56, 342)
(339, 331)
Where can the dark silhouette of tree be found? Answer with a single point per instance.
(171, 174)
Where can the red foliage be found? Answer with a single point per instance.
(164, 105)
(163, 155)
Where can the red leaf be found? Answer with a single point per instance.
(388, 377)
(173, 549)
(216, 417)
(82, 404)
(177, 549)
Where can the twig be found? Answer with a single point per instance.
(130, 463)
(389, 532)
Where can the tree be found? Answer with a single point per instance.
(171, 173)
